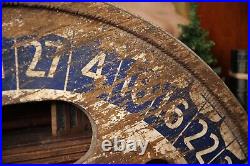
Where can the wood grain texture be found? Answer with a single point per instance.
(168, 77)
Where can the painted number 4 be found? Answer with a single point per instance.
(99, 60)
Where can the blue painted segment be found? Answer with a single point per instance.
(188, 114)
(26, 55)
(204, 142)
(81, 56)
(110, 68)
(115, 74)
(9, 67)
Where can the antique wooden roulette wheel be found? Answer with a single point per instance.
(69, 66)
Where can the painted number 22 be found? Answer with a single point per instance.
(201, 153)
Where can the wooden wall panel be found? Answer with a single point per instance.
(227, 25)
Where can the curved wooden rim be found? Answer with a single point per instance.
(223, 99)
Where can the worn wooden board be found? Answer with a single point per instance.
(133, 80)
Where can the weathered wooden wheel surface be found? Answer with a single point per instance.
(134, 80)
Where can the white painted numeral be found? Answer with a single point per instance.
(179, 113)
(31, 72)
(187, 140)
(199, 154)
(229, 160)
(56, 59)
(208, 150)
(100, 58)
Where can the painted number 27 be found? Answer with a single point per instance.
(31, 72)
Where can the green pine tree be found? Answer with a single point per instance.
(196, 38)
